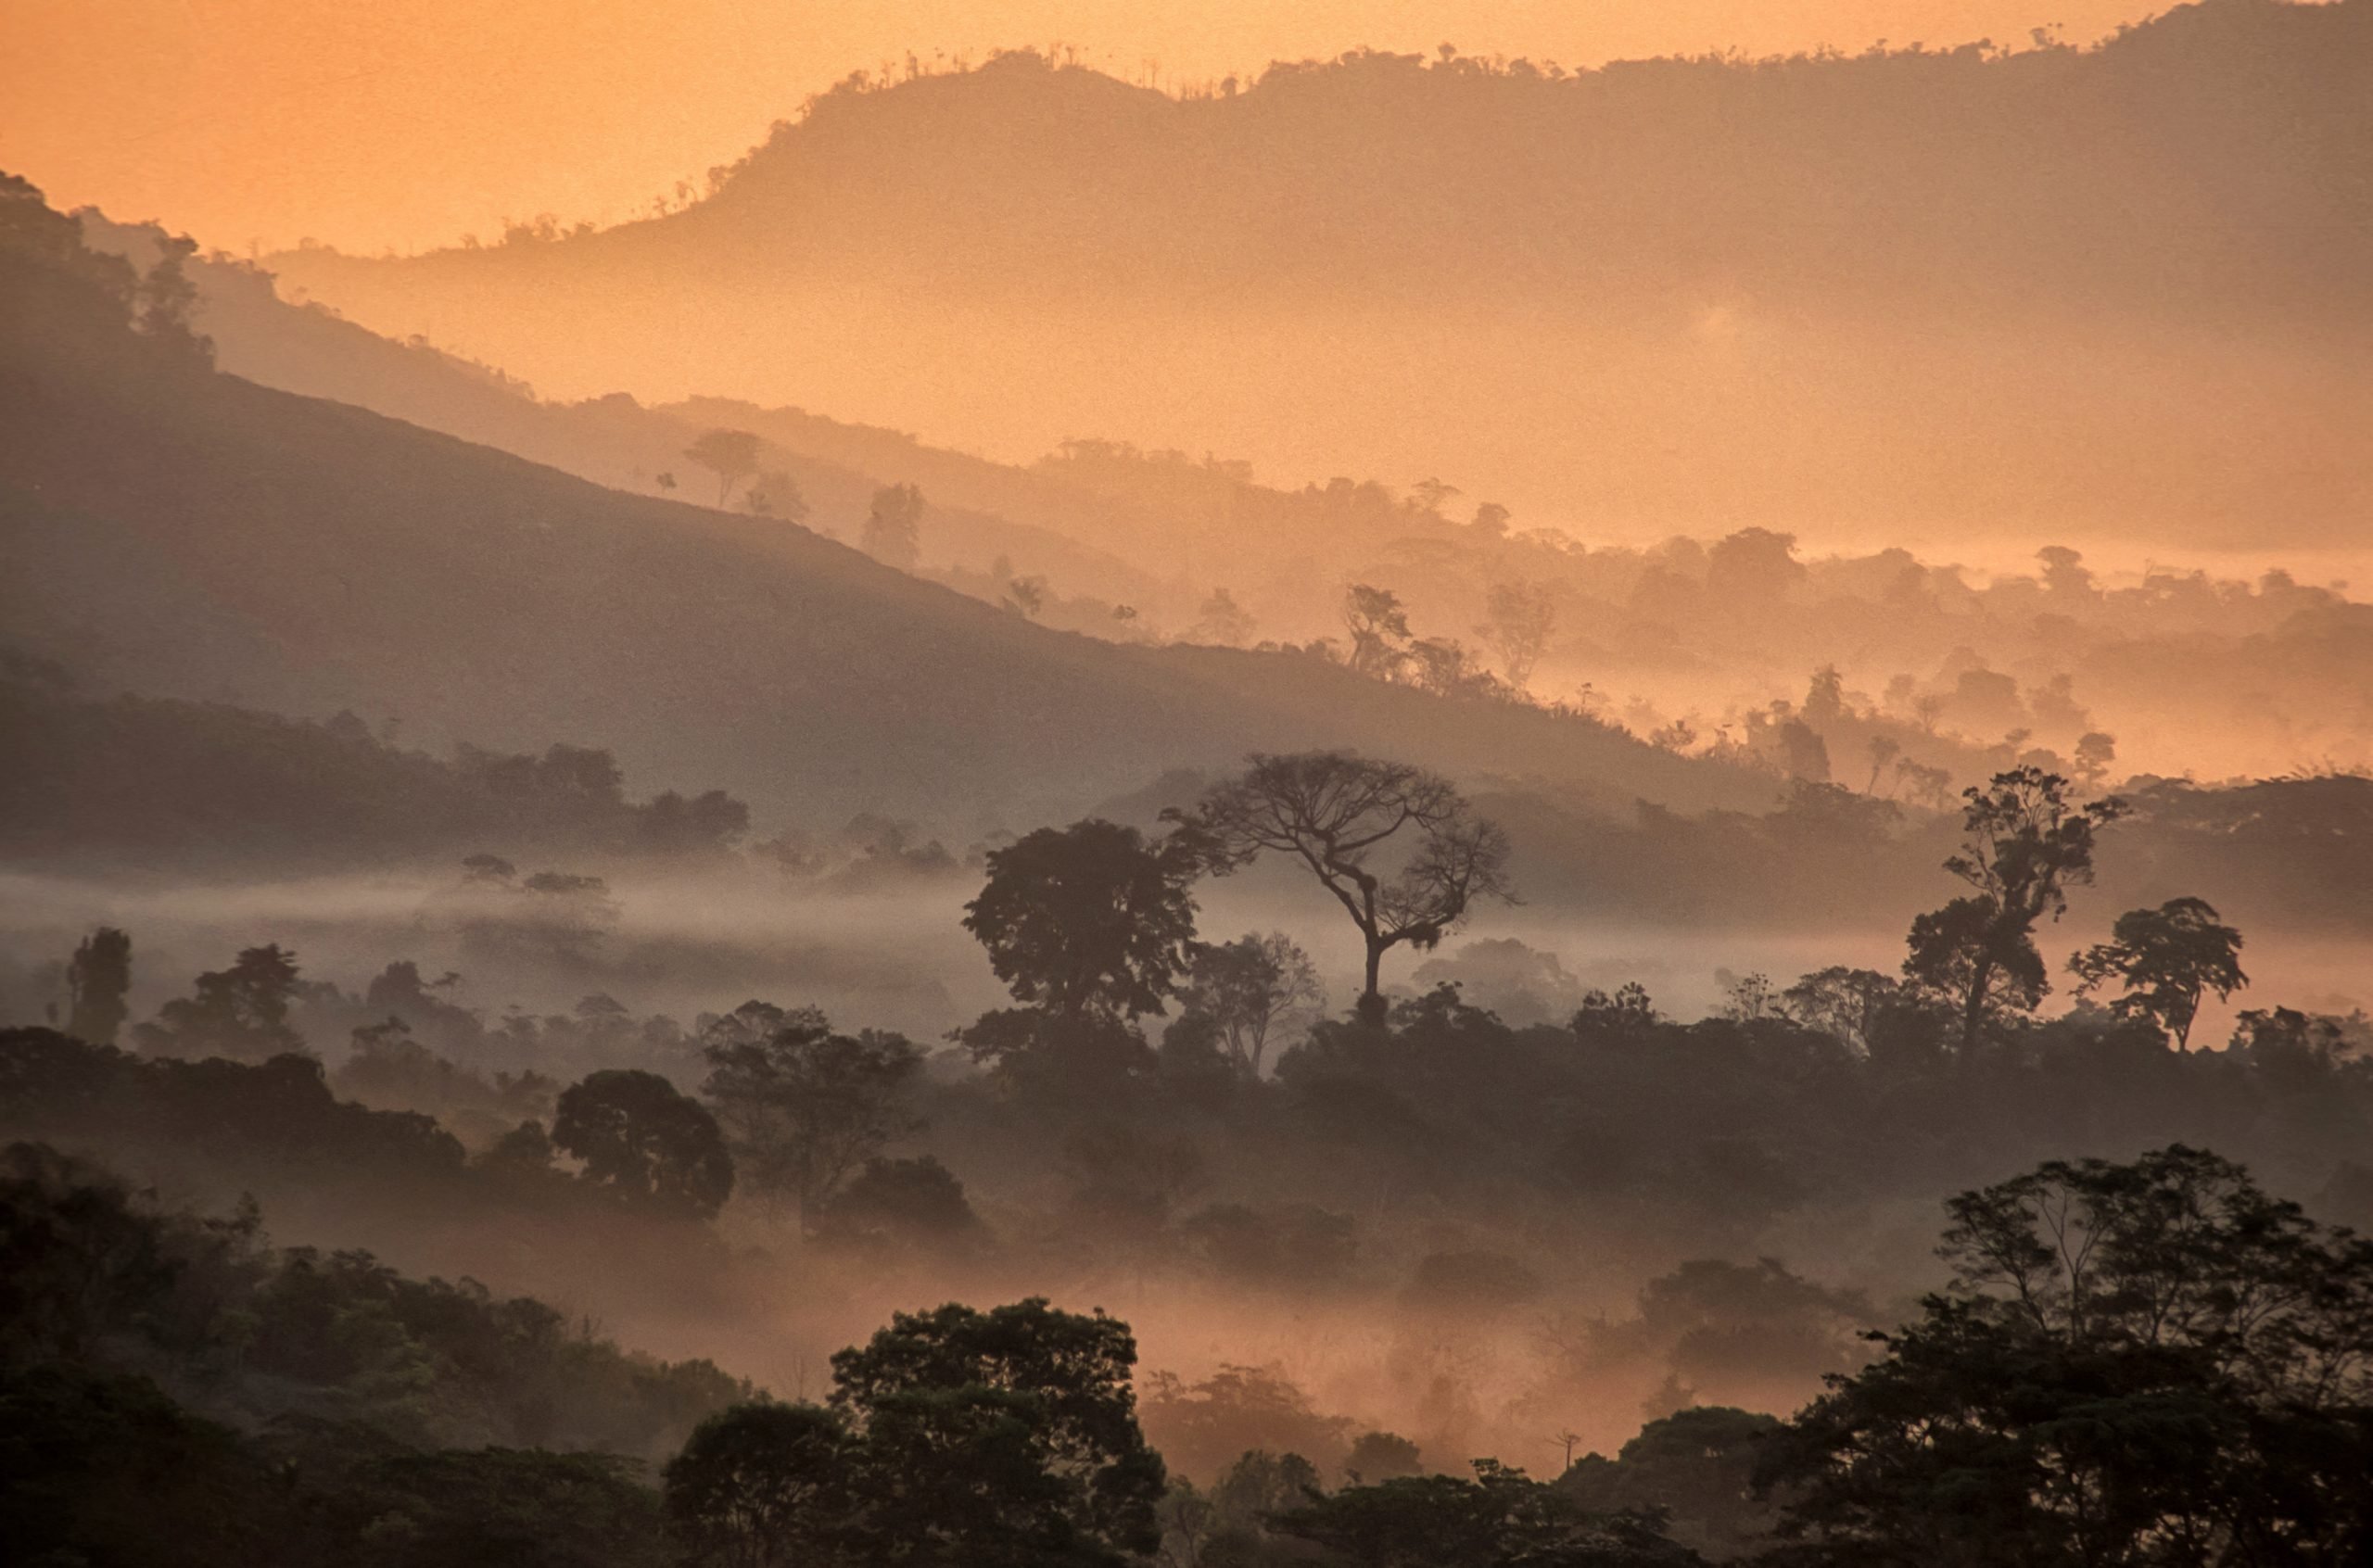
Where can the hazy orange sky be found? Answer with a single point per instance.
(406, 123)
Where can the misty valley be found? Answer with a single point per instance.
(638, 975)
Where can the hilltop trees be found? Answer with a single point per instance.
(732, 455)
(1378, 627)
(241, 1012)
(2167, 959)
(1338, 814)
(2153, 1363)
(2024, 846)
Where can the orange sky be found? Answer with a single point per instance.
(406, 123)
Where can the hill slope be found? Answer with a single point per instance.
(2118, 293)
(186, 533)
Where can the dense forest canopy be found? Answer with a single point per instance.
(1747, 943)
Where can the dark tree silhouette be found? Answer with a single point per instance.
(804, 1107)
(764, 1485)
(732, 455)
(2167, 959)
(1089, 918)
(97, 981)
(640, 1138)
(2024, 846)
(1337, 812)
(1379, 628)
(241, 1012)
(1008, 1436)
(2153, 1363)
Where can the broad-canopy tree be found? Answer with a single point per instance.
(803, 1105)
(640, 1138)
(2024, 845)
(762, 1485)
(2141, 1363)
(1341, 815)
(732, 455)
(1002, 1438)
(1089, 918)
(2167, 959)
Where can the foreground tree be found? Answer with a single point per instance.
(803, 1106)
(2142, 1364)
(1339, 814)
(96, 982)
(642, 1138)
(1002, 1439)
(762, 1485)
(1501, 1519)
(2024, 845)
(2167, 959)
(1089, 918)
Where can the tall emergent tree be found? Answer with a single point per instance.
(732, 455)
(2168, 959)
(2142, 1364)
(96, 982)
(241, 1012)
(2024, 846)
(1342, 815)
(1089, 918)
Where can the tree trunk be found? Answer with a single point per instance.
(1371, 1005)
(1973, 1010)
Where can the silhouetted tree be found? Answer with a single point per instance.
(1003, 1439)
(97, 981)
(2149, 1363)
(1500, 1519)
(2167, 959)
(1089, 918)
(764, 1485)
(1220, 621)
(893, 527)
(1379, 628)
(804, 1107)
(639, 1137)
(1520, 619)
(732, 455)
(241, 1012)
(1335, 812)
(2024, 846)
(1248, 988)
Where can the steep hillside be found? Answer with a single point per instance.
(182, 532)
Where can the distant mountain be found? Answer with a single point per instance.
(184, 533)
(2117, 293)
